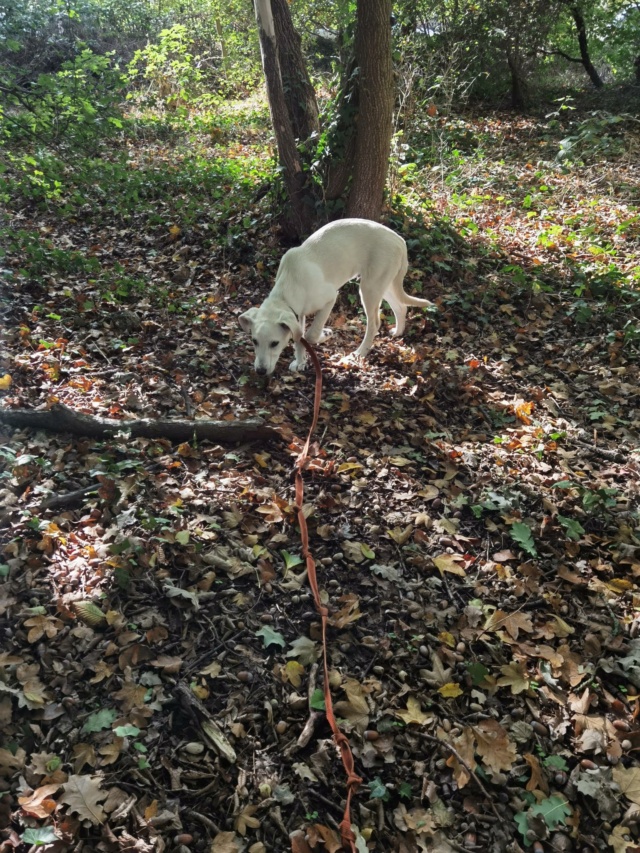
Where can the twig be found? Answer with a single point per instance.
(206, 821)
(473, 775)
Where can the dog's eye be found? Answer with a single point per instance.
(273, 344)
(255, 341)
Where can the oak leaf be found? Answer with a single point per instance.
(83, 796)
(494, 747)
(464, 745)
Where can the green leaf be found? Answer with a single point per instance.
(405, 790)
(478, 672)
(271, 637)
(182, 536)
(379, 790)
(128, 730)
(317, 700)
(523, 827)
(40, 837)
(290, 560)
(368, 553)
(4, 571)
(573, 528)
(555, 809)
(521, 534)
(102, 719)
(556, 762)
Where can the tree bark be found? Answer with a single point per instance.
(578, 18)
(374, 128)
(518, 97)
(301, 210)
(299, 93)
(60, 418)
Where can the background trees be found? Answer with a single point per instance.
(328, 70)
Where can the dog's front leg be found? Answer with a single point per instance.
(317, 333)
(299, 362)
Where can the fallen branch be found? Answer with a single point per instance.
(60, 418)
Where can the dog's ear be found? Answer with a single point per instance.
(290, 323)
(247, 319)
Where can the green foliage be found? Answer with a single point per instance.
(170, 70)
(40, 837)
(521, 534)
(554, 810)
(99, 720)
(594, 137)
(78, 104)
(378, 789)
(271, 637)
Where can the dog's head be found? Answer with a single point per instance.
(270, 333)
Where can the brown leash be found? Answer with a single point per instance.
(342, 742)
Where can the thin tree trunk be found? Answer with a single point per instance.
(343, 143)
(294, 177)
(223, 47)
(578, 18)
(299, 91)
(518, 99)
(373, 140)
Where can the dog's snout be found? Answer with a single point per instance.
(262, 371)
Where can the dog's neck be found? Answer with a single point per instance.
(276, 301)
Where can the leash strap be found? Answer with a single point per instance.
(342, 742)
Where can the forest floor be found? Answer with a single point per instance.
(472, 503)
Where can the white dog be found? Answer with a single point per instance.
(308, 281)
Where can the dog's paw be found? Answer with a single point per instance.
(318, 339)
(296, 366)
(360, 353)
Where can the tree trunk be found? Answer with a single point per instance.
(343, 136)
(518, 98)
(299, 93)
(578, 18)
(374, 128)
(301, 210)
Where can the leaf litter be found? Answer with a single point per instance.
(472, 503)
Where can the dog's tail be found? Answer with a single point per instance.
(413, 300)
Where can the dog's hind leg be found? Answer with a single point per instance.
(400, 311)
(370, 294)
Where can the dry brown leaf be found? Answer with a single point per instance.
(514, 675)
(414, 713)
(245, 820)
(450, 563)
(348, 613)
(225, 842)
(83, 795)
(40, 804)
(83, 753)
(537, 780)
(628, 778)
(464, 745)
(330, 838)
(494, 747)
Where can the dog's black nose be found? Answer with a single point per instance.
(261, 371)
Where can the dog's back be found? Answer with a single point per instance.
(343, 250)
